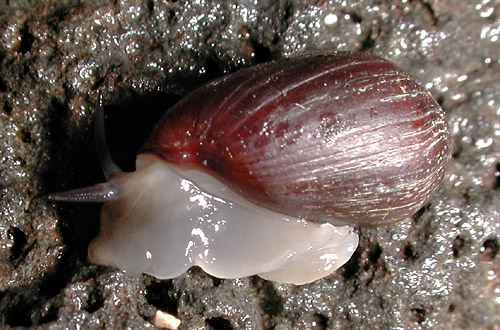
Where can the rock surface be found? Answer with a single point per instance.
(439, 270)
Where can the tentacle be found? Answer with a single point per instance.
(108, 165)
(102, 192)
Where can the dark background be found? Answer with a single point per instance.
(438, 270)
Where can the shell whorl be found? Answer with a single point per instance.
(347, 138)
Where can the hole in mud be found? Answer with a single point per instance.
(161, 295)
(489, 250)
(409, 252)
(25, 135)
(218, 323)
(95, 301)
(27, 40)
(418, 314)
(19, 242)
(375, 253)
(458, 246)
(351, 267)
(496, 185)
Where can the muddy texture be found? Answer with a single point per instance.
(438, 270)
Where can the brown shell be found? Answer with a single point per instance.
(347, 138)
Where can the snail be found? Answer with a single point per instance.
(268, 170)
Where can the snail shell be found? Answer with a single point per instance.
(266, 170)
(322, 137)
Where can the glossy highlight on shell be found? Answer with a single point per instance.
(267, 171)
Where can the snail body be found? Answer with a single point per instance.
(267, 170)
